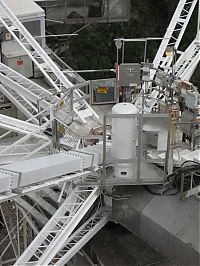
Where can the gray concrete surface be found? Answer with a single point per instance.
(167, 223)
(116, 246)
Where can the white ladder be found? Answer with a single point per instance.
(46, 65)
(55, 233)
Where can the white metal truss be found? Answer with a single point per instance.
(54, 234)
(46, 65)
(26, 95)
(35, 95)
(172, 38)
(27, 87)
(45, 187)
(23, 127)
(35, 102)
(21, 145)
(24, 105)
(35, 51)
(188, 61)
(80, 237)
(175, 32)
(20, 175)
(23, 151)
(8, 213)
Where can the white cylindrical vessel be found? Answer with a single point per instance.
(124, 132)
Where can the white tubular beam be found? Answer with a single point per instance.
(191, 67)
(175, 31)
(22, 127)
(42, 219)
(28, 88)
(43, 169)
(21, 103)
(188, 61)
(47, 66)
(42, 203)
(189, 57)
(79, 238)
(54, 234)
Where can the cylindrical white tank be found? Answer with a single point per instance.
(124, 132)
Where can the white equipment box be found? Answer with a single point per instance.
(16, 58)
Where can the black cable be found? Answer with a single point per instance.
(175, 178)
(162, 193)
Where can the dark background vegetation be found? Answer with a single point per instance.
(94, 47)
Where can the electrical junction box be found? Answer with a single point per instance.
(103, 91)
(129, 75)
(191, 99)
(160, 78)
(16, 58)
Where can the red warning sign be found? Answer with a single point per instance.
(20, 62)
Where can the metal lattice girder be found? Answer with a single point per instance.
(46, 65)
(8, 214)
(27, 131)
(172, 38)
(29, 89)
(38, 216)
(174, 32)
(23, 127)
(50, 209)
(80, 237)
(55, 233)
(21, 103)
(11, 153)
(48, 167)
(37, 54)
(28, 96)
(188, 61)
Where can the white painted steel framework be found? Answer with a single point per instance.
(175, 32)
(38, 55)
(21, 145)
(46, 65)
(53, 236)
(39, 170)
(188, 61)
(37, 103)
(57, 242)
(80, 237)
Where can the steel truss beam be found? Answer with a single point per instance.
(188, 61)
(46, 65)
(80, 237)
(53, 236)
(175, 32)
